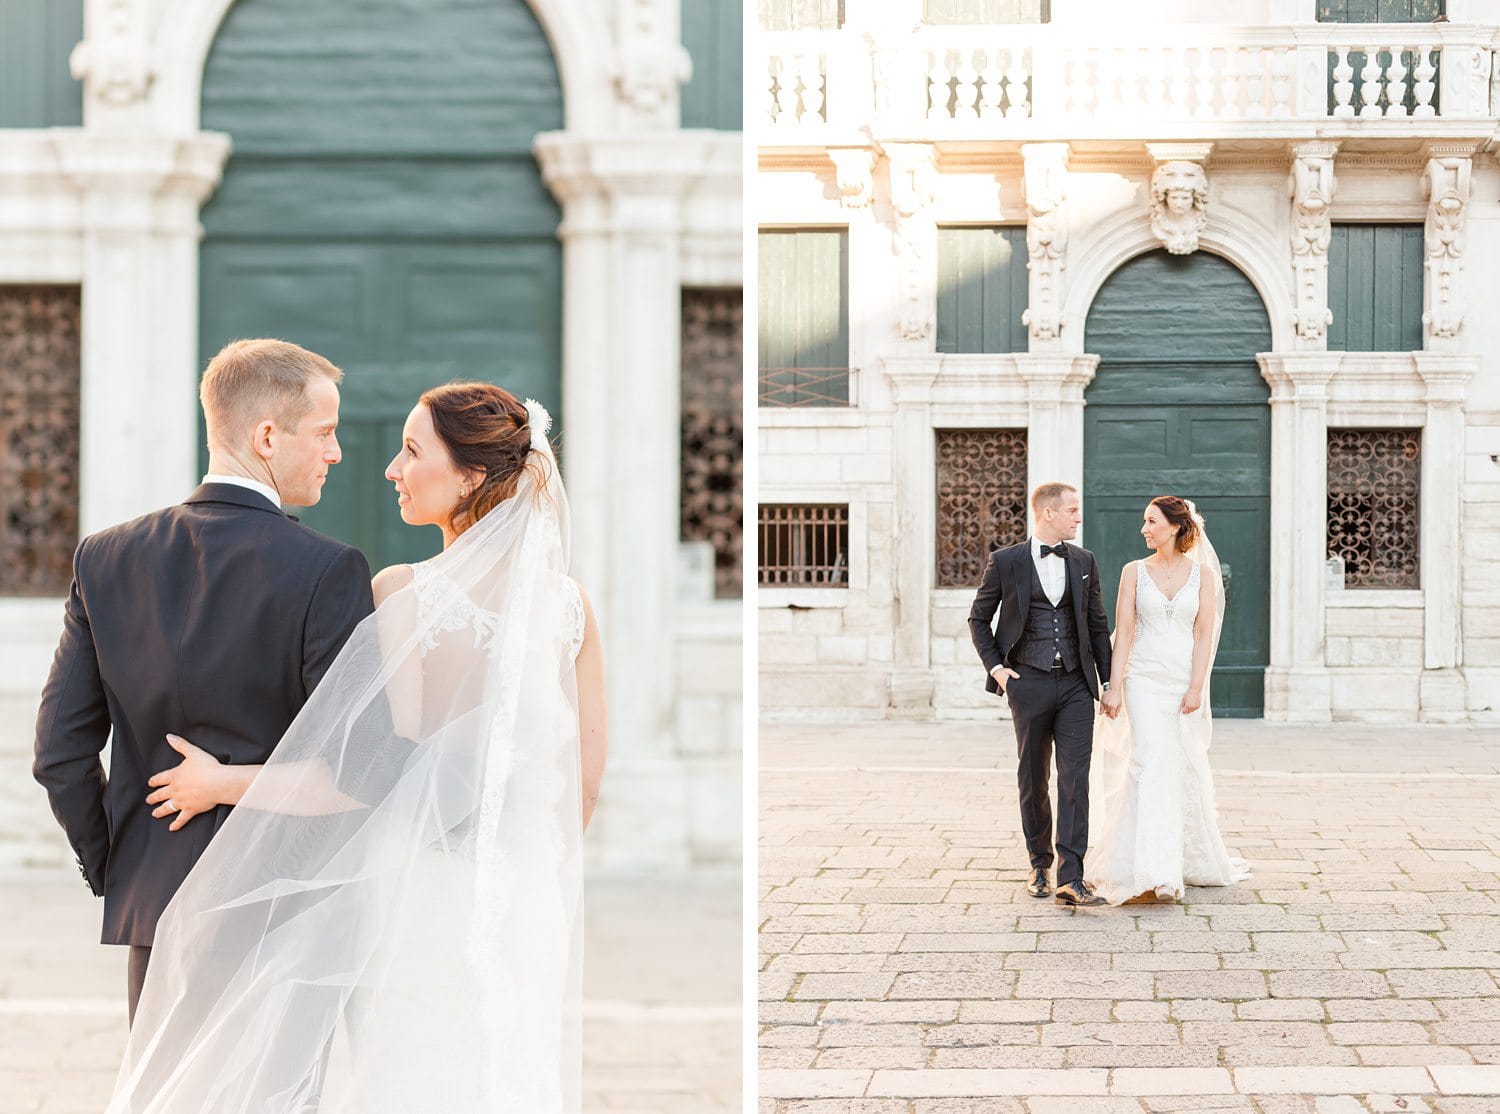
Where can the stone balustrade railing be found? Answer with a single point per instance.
(972, 80)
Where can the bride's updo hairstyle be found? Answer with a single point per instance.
(485, 429)
(1177, 513)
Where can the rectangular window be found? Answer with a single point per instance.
(981, 500)
(712, 464)
(804, 545)
(1379, 11)
(1375, 288)
(986, 11)
(800, 15)
(39, 406)
(982, 289)
(1374, 506)
(804, 317)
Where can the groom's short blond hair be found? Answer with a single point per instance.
(251, 380)
(1049, 495)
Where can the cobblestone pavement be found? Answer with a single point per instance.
(661, 997)
(905, 971)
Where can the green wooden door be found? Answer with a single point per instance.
(382, 206)
(1178, 407)
(982, 289)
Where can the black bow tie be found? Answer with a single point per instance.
(1060, 549)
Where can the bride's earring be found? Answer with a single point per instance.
(463, 493)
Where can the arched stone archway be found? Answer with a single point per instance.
(1236, 236)
(1178, 406)
(185, 32)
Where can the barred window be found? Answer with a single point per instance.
(713, 429)
(1374, 492)
(804, 545)
(39, 403)
(981, 500)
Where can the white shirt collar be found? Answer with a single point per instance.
(252, 485)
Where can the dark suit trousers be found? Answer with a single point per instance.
(1053, 709)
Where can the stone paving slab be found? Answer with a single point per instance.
(905, 971)
(662, 1015)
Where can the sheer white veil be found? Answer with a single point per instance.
(393, 913)
(1112, 739)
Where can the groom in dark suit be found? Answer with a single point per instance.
(1049, 655)
(213, 619)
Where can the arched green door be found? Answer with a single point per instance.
(382, 206)
(1179, 407)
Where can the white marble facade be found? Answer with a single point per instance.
(852, 139)
(647, 207)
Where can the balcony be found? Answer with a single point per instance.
(1200, 81)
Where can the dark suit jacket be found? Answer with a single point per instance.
(1007, 585)
(213, 620)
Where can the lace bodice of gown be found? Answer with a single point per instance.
(1163, 646)
(458, 612)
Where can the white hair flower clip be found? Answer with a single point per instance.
(541, 423)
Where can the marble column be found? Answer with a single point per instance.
(1297, 681)
(140, 199)
(1444, 693)
(914, 450)
(622, 201)
(1054, 416)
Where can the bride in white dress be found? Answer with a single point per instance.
(391, 918)
(1155, 823)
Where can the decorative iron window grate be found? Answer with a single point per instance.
(713, 339)
(804, 545)
(1374, 504)
(981, 500)
(39, 403)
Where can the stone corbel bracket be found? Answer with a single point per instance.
(1446, 182)
(913, 176)
(1178, 202)
(114, 60)
(854, 175)
(649, 67)
(1311, 187)
(1046, 178)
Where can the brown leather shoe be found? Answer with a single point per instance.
(1078, 894)
(1039, 886)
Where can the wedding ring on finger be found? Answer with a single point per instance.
(171, 804)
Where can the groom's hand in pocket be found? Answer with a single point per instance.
(1003, 676)
(191, 787)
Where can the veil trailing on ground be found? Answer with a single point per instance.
(391, 919)
(1112, 739)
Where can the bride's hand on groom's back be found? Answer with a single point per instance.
(193, 786)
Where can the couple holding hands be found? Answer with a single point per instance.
(1149, 788)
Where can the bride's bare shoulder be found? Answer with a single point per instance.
(388, 581)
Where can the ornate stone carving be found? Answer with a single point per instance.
(39, 400)
(1311, 187)
(853, 173)
(1446, 184)
(1046, 175)
(648, 67)
(1179, 205)
(713, 428)
(114, 61)
(913, 171)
